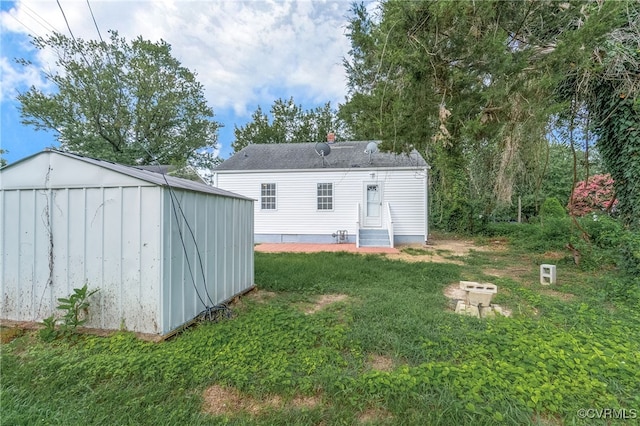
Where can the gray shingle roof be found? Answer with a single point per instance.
(153, 177)
(301, 156)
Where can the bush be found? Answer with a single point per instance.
(551, 208)
(554, 235)
(621, 289)
(465, 218)
(593, 195)
(612, 244)
(630, 254)
(602, 247)
(556, 232)
(604, 231)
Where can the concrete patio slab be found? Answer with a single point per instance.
(314, 248)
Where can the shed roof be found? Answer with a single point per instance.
(301, 156)
(137, 173)
(187, 172)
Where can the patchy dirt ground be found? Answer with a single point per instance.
(322, 301)
(558, 294)
(443, 251)
(224, 400)
(380, 363)
(7, 334)
(374, 416)
(227, 401)
(454, 292)
(259, 295)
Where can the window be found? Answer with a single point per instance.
(325, 196)
(268, 196)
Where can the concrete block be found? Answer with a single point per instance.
(466, 309)
(487, 312)
(464, 285)
(547, 274)
(478, 294)
(472, 311)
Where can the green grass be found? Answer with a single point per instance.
(552, 358)
(417, 251)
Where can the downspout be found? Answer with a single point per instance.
(426, 204)
(358, 226)
(390, 227)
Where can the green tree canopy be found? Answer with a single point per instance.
(475, 86)
(603, 77)
(289, 123)
(130, 102)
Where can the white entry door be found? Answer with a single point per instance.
(373, 204)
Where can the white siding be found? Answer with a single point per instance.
(297, 213)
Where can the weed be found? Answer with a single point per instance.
(75, 308)
(49, 333)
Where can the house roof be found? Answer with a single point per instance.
(301, 156)
(144, 175)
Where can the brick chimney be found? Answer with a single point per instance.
(331, 137)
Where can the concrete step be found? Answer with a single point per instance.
(374, 238)
(374, 233)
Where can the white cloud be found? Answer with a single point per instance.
(245, 52)
(15, 76)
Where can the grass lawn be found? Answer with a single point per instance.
(338, 338)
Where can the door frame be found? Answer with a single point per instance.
(372, 221)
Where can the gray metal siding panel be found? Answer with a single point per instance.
(211, 269)
(26, 257)
(93, 236)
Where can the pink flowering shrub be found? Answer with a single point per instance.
(593, 195)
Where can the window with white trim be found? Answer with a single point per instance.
(325, 196)
(268, 196)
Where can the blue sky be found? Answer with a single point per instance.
(246, 53)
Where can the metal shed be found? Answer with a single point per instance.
(159, 249)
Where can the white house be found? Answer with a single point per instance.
(340, 192)
(160, 250)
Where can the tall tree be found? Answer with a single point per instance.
(289, 123)
(603, 76)
(473, 85)
(130, 102)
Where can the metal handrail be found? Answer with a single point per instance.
(390, 227)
